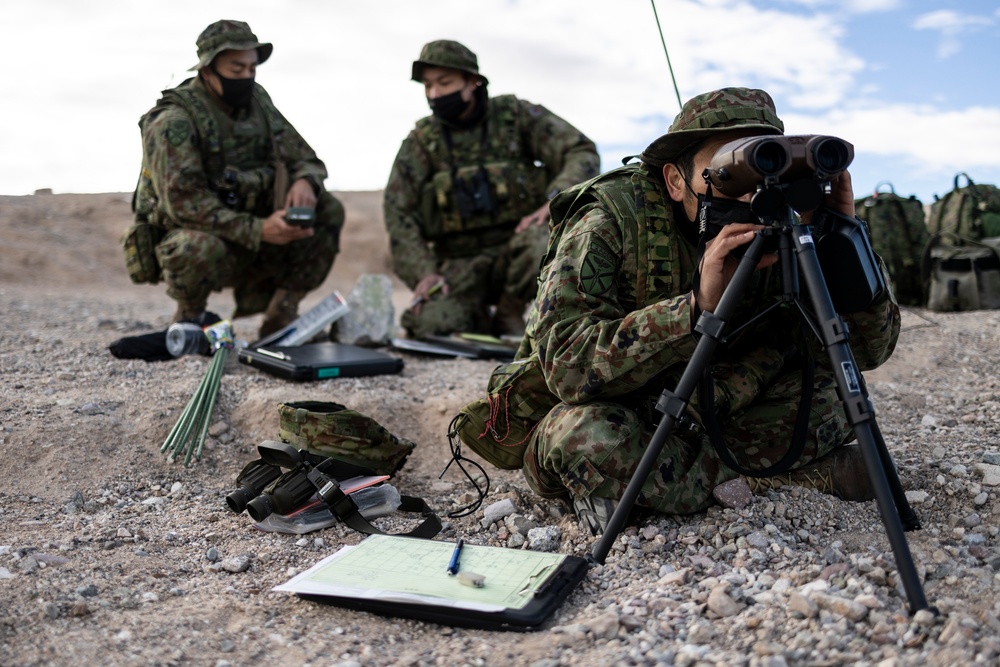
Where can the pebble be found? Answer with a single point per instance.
(720, 602)
(218, 428)
(854, 611)
(734, 494)
(497, 512)
(236, 565)
(544, 538)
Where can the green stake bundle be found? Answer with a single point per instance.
(187, 437)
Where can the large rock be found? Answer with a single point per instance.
(371, 318)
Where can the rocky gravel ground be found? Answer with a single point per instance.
(111, 554)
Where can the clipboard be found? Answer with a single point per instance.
(407, 577)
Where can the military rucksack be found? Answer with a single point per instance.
(971, 212)
(962, 274)
(899, 236)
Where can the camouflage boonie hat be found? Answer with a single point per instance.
(330, 429)
(446, 53)
(711, 113)
(228, 35)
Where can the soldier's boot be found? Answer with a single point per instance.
(594, 512)
(508, 319)
(188, 311)
(281, 311)
(842, 473)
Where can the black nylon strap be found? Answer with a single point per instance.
(706, 403)
(344, 508)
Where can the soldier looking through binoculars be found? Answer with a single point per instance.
(624, 282)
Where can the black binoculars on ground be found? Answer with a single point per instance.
(264, 489)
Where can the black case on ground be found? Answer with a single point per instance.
(547, 599)
(450, 346)
(320, 361)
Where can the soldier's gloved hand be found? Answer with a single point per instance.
(278, 232)
(537, 218)
(428, 286)
(301, 194)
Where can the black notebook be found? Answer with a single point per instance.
(320, 361)
(408, 577)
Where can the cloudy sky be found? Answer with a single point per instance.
(913, 84)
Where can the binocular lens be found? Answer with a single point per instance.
(238, 499)
(769, 157)
(260, 507)
(831, 155)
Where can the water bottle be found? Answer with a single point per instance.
(186, 338)
(375, 501)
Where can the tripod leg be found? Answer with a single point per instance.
(860, 415)
(906, 514)
(673, 404)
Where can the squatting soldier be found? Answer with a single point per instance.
(467, 202)
(613, 326)
(220, 166)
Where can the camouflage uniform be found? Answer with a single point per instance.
(208, 180)
(612, 326)
(479, 255)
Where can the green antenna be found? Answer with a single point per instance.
(664, 42)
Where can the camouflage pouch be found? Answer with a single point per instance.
(499, 426)
(139, 243)
(331, 430)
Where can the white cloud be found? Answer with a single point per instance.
(340, 72)
(952, 25)
(929, 138)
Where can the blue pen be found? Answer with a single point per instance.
(453, 565)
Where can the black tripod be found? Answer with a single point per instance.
(829, 327)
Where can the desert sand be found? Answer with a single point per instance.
(112, 554)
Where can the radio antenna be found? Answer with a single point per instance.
(664, 42)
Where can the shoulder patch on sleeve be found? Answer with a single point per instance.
(597, 273)
(178, 130)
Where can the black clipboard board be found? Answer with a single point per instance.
(546, 579)
(320, 361)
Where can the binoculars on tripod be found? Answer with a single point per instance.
(747, 164)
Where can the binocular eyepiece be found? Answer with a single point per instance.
(744, 165)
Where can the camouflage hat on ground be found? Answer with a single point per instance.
(330, 429)
(228, 35)
(446, 53)
(711, 113)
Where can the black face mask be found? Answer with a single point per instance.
(237, 93)
(714, 213)
(448, 107)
